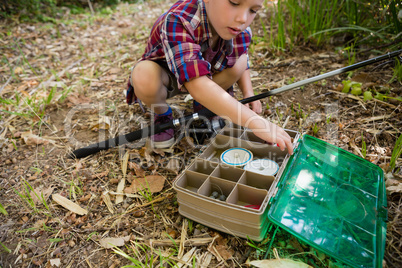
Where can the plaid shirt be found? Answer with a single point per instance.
(183, 38)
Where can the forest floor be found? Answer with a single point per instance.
(62, 87)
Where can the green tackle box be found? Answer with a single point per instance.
(327, 197)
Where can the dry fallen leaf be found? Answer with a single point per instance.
(32, 139)
(39, 193)
(103, 124)
(110, 242)
(18, 70)
(70, 205)
(78, 99)
(153, 184)
(280, 263)
(100, 175)
(223, 252)
(173, 165)
(395, 189)
(40, 223)
(55, 262)
(139, 172)
(108, 202)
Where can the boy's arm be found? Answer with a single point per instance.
(213, 97)
(247, 90)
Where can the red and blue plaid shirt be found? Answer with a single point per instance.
(183, 38)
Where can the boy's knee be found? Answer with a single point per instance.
(146, 77)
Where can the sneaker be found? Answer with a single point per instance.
(164, 139)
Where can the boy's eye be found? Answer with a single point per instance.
(233, 3)
(253, 11)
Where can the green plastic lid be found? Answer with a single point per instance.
(334, 201)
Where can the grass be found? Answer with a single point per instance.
(396, 153)
(26, 196)
(314, 21)
(364, 147)
(3, 210)
(397, 71)
(5, 248)
(141, 255)
(315, 128)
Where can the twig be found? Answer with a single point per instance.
(182, 238)
(187, 243)
(8, 81)
(90, 7)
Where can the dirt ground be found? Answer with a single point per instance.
(66, 90)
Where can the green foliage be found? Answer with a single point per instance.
(3, 210)
(28, 9)
(141, 255)
(354, 87)
(396, 152)
(364, 147)
(5, 248)
(313, 21)
(367, 96)
(312, 16)
(27, 197)
(47, 10)
(315, 128)
(397, 76)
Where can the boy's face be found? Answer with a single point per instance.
(228, 18)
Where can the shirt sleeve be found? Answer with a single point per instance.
(183, 54)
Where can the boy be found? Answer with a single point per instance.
(200, 46)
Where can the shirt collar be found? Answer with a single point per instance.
(207, 33)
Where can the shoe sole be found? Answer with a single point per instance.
(162, 144)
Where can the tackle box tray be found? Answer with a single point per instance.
(325, 196)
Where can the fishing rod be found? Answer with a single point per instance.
(205, 113)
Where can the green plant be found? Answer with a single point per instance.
(351, 53)
(26, 196)
(397, 75)
(299, 114)
(396, 152)
(394, 8)
(328, 119)
(308, 18)
(367, 96)
(5, 248)
(146, 192)
(3, 210)
(259, 249)
(75, 188)
(144, 256)
(364, 148)
(315, 128)
(279, 114)
(291, 80)
(313, 21)
(91, 234)
(190, 226)
(280, 39)
(354, 87)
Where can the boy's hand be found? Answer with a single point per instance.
(256, 106)
(272, 133)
